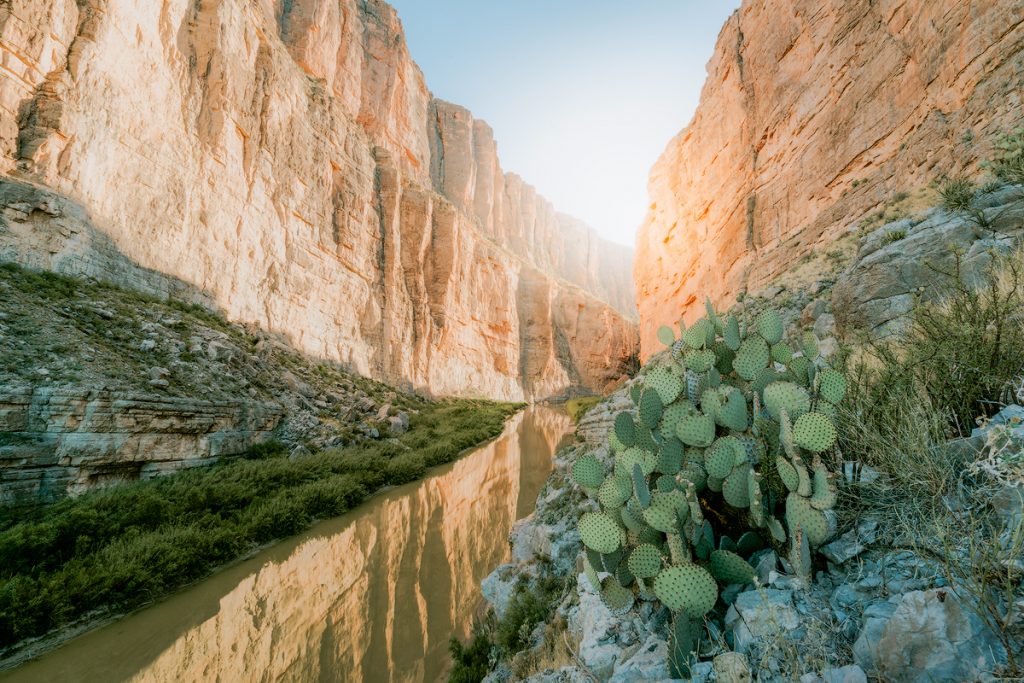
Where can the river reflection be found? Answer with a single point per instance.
(371, 596)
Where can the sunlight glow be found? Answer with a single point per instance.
(583, 95)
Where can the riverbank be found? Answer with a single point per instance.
(195, 442)
(319, 605)
(111, 551)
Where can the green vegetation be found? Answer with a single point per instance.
(494, 640)
(958, 194)
(116, 549)
(703, 476)
(961, 361)
(894, 236)
(578, 407)
(1007, 162)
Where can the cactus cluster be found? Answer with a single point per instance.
(726, 434)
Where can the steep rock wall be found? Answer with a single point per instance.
(813, 114)
(287, 159)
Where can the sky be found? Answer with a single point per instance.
(583, 95)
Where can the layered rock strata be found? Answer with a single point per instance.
(287, 159)
(56, 442)
(814, 114)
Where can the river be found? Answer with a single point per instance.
(371, 596)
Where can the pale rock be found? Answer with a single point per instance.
(498, 587)
(147, 345)
(597, 628)
(158, 373)
(760, 615)
(398, 424)
(928, 636)
(649, 663)
(732, 667)
(298, 175)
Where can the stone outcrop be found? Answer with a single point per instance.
(287, 159)
(815, 113)
(59, 442)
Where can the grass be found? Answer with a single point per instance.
(578, 407)
(960, 361)
(894, 236)
(116, 549)
(958, 194)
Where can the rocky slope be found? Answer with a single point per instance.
(813, 115)
(286, 159)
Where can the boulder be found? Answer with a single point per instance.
(932, 636)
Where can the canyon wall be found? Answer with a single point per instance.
(815, 113)
(286, 158)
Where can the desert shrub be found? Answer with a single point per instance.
(894, 236)
(1007, 161)
(958, 356)
(958, 194)
(578, 407)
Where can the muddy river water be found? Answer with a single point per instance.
(374, 595)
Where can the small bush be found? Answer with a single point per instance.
(1007, 162)
(578, 407)
(894, 236)
(957, 194)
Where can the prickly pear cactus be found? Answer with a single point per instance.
(726, 437)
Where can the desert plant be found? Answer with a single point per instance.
(1007, 161)
(894, 236)
(727, 437)
(958, 194)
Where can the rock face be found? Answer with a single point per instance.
(287, 159)
(813, 114)
(60, 442)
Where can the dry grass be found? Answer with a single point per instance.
(959, 362)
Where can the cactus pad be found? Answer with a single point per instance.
(815, 432)
(775, 527)
(782, 353)
(736, 489)
(809, 344)
(729, 568)
(697, 336)
(666, 335)
(700, 360)
(686, 588)
(832, 385)
(650, 409)
(787, 473)
(788, 396)
(721, 457)
(824, 493)
(752, 357)
(616, 598)
(662, 516)
(600, 533)
(645, 561)
(769, 326)
(613, 493)
(800, 513)
(696, 430)
(588, 472)
(665, 383)
(625, 429)
(731, 333)
(670, 456)
(733, 412)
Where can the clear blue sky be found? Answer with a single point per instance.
(583, 95)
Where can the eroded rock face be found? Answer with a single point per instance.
(287, 159)
(813, 114)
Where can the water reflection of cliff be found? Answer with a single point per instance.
(373, 596)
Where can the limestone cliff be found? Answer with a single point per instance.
(813, 114)
(286, 158)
